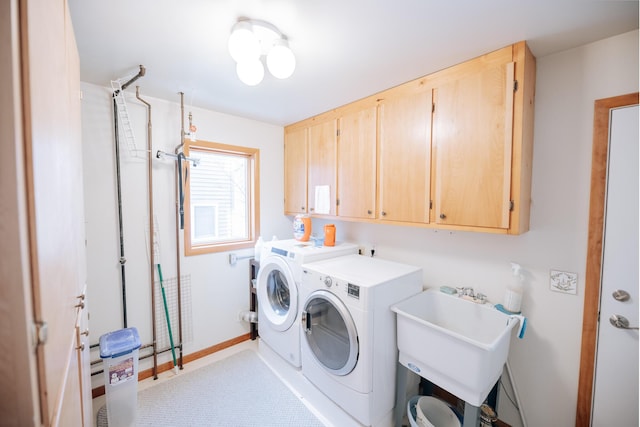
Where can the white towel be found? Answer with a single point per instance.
(323, 199)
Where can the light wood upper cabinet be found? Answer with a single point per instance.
(404, 156)
(454, 148)
(472, 140)
(357, 164)
(321, 170)
(295, 171)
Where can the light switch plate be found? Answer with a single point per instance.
(563, 281)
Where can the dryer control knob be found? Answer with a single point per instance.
(328, 282)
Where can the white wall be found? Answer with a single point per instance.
(218, 290)
(545, 363)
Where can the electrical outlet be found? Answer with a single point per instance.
(233, 259)
(563, 281)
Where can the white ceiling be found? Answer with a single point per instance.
(345, 49)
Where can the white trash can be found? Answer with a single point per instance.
(119, 353)
(429, 411)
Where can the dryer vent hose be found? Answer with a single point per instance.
(248, 316)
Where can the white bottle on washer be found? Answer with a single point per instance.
(258, 249)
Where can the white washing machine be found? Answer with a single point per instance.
(349, 334)
(277, 286)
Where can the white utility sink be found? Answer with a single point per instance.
(457, 344)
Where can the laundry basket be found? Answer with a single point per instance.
(119, 353)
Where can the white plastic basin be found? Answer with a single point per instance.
(459, 345)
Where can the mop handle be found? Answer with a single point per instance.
(166, 312)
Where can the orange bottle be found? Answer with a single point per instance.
(330, 235)
(302, 228)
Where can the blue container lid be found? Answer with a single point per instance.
(118, 343)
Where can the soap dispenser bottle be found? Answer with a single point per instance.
(513, 295)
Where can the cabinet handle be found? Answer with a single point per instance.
(369, 212)
(85, 333)
(80, 347)
(311, 209)
(302, 208)
(442, 216)
(383, 213)
(81, 305)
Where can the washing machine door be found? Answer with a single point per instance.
(330, 332)
(277, 293)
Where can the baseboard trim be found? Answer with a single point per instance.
(148, 373)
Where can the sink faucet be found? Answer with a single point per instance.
(470, 294)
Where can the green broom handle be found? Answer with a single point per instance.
(166, 312)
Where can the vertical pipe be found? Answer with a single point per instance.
(122, 259)
(178, 222)
(152, 260)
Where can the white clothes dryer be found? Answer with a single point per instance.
(277, 286)
(349, 347)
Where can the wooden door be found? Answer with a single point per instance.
(615, 394)
(48, 142)
(295, 171)
(594, 270)
(404, 158)
(472, 145)
(322, 168)
(357, 164)
(19, 398)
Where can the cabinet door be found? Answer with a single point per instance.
(56, 207)
(405, 158)
(295, 171)
(472, 146)
(322, 168)
(357, 164)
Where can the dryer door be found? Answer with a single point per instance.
(330, 332)
(277, 293)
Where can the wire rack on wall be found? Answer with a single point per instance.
(171, 292)
(125, 127)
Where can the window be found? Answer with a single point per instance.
(221, 198)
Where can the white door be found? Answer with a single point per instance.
(615, 397)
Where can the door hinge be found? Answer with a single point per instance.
(337, 132)
(515, 85)
(430, 204)
(433, 107)
(511, 205)
(337, 202)
(40, 333)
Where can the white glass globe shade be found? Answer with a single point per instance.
(250, 72)
(243, 43)
(280, 60)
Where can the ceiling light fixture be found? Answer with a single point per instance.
(252, 39)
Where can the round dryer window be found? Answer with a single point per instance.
(277, 293)
(330, 332)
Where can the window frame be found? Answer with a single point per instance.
(191, 149)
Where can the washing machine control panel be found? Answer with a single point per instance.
(353, 290)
